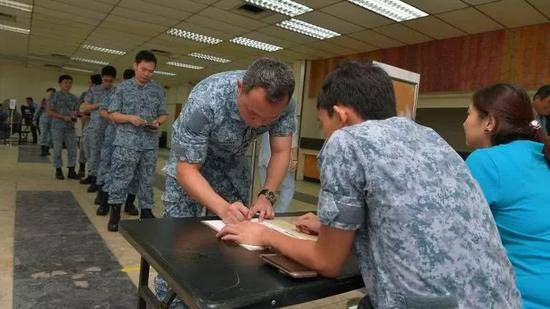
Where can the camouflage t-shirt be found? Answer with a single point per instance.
(423, 228)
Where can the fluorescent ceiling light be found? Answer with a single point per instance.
(307, 29)
(77, 69)
(394, 9)
(90, 61)
(209, 57)
(14, 29)
(16, 5)
(193, 36)
(255, 44)
(165, 73)
(104, 50)
(285, 7)
(184, 65)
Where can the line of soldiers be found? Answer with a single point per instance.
(119, 140)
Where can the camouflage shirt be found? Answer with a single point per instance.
(423, 227)
(96, 95)
(210, 126)
(64, 103)
(146, 101)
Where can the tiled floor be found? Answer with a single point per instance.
(16, 176)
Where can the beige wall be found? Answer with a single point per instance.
(18, 82)
(174, 95)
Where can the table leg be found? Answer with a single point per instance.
(143, 282)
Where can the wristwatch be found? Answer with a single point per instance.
(270, 195)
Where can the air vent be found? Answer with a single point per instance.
(251, 8)
(7, 17)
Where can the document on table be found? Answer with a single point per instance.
(279, 225)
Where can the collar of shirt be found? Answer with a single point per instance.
(234, 106)
(140, 86)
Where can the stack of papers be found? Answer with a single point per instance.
(279, 225)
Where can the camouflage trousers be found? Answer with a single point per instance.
(125, 165)
(62, 135)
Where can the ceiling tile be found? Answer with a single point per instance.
(476, 2)
(180, 5)
(147, 17)
(202, 21)
(513, 13)
(234, 19)
(434, 7)
(375, 39)
(434, 27)
(357, 15)
(350, 43)
(542, 5)
(470, 20)
(317, 4)
(330, 22)
(287, 35)
(403, 34)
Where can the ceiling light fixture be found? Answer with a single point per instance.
(394, 9)
(285, 7)
(307, 29)
(16, 5)
(165, 73)
(104, 50)
(209, 57)
(193, 36)
(255, 44)
(14, 29)
(184, 65)
(77, 69)
(90, 61)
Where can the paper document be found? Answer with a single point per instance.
(280, 225)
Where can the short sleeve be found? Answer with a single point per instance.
(116, 101)
(89, 96)
(484, 170)
(191, 131)
(104, 105)
(342, 197)
(286, 124)
(162, 107)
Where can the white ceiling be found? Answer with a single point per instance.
(60, 27)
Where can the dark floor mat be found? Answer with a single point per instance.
(30, 154)
(60, 261)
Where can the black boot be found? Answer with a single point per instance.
(59, 173)
(87, 180)
(44, 151)
(129, 206)
(114, 218)
(72, 174)
(146, 214)
(93, 188)
(98, 197)
(103, 208)
(82, 170)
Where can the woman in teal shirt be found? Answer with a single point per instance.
(512, 166)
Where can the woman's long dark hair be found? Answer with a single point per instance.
(511, 108)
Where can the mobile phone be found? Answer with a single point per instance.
(288, 266)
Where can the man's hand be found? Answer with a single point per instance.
(292, 165)
(136, 120)
(234, 213)
(246, 232)
(308, 223)
(67, 118)
(262, 206)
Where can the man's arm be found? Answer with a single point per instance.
(88, 107)
(52, 112)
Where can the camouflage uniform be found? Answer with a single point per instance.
(83, 152)
(211, 132)
(134, 153)
(66, 104)
(96, 126)
(423, 228)
(45, 124)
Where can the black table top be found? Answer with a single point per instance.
(208, 273)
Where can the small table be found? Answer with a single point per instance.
(205, 272)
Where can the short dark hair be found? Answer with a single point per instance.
(96, 79)
(128, 73)
(108, 70)
(28, 98)
(64, 77)
(274, 76)
(50, 89)
(146, 56)
(364, 87)
(542, 93)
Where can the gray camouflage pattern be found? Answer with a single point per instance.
(96, 125)
(423, 226)
(63, 132)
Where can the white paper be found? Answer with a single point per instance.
(218, 225)
(13, 104)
